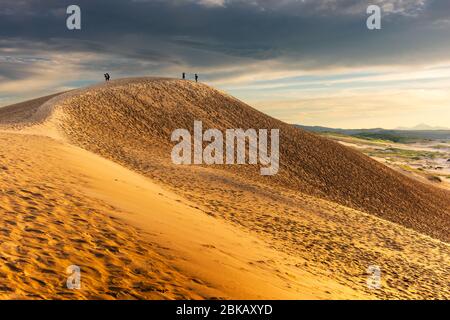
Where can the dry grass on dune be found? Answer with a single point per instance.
(309, 232)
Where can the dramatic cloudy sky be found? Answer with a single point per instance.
(312, 62)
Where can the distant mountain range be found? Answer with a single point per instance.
(403, 135)
(422, 127)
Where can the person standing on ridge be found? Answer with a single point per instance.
(196, 77)
(184, 76)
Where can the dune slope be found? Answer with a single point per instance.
(63, 206)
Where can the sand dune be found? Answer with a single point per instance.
(95, 184)
(131, 122)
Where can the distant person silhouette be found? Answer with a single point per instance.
(196, 77)
(108, 77)
(184, 76)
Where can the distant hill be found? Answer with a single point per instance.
(397, 135)
(422, 127)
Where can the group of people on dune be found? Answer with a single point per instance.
(108, 77)
(184, 76)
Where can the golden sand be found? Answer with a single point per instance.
(86, 179)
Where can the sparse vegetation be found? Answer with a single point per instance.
(441, 146)
(405, 154)
(434, 179)
(385, 137)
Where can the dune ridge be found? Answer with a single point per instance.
(328, 215)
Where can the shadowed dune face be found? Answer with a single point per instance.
(131, 122)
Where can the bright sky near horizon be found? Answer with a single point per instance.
(312, 62)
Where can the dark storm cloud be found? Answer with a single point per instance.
(154, 34)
